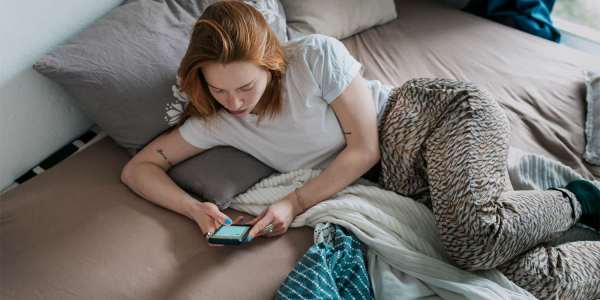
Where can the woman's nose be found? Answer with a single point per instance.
(235, 102)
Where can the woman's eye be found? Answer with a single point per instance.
(247, 88)
(217, 91)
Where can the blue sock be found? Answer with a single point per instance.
(588, 196)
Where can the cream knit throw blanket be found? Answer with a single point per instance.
(405, 254)
(530, 171)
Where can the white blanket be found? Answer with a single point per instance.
(405, 254)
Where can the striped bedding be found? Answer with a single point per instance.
(333, 268)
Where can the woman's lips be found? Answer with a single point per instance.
(237, 112)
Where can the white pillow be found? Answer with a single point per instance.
(336, 18)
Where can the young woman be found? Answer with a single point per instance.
(306, 105)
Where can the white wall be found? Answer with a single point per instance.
(577, 42)
(36, 116)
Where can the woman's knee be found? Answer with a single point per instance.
(439, 85)
(475, 251)
(473, 259)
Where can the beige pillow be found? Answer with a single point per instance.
(336, 18)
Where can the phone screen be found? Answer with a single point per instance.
(231, 232)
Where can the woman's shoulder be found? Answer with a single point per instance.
(312, 38)
(306, 49)
(315, 40)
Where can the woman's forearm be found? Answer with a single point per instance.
(153, 184)
(345, 169)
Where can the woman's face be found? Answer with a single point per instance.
(238, 86)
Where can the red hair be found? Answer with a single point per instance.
(230, 31)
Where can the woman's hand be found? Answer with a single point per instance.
(209, 218)
(280, 214)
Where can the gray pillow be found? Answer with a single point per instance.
(219, 174)
(122, 70)
(336, 18)
(272, 11)
(592, 121)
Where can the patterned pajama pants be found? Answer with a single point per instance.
(445, 143)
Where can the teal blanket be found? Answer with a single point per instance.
(533, 16)
(333, 268)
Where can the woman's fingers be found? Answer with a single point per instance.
(216, 224)
(276, 232)
(205, 224)
(213, 211)
(257, 229)
(212, 228)
(262, 214)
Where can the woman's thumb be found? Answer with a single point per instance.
(214, 212)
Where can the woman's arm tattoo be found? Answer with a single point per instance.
(160, 151)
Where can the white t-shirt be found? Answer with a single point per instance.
(306, 134)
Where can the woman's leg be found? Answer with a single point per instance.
(567, 271)
(453, 138)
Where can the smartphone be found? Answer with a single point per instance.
(230, 234)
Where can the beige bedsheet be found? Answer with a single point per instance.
(76, 232)
(539, 83)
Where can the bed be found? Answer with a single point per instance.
(77, 232)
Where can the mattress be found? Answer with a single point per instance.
(76, 231)
(540, 84)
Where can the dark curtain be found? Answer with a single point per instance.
(531, 16)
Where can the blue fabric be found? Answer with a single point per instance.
(531, 16)
(330, 269)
